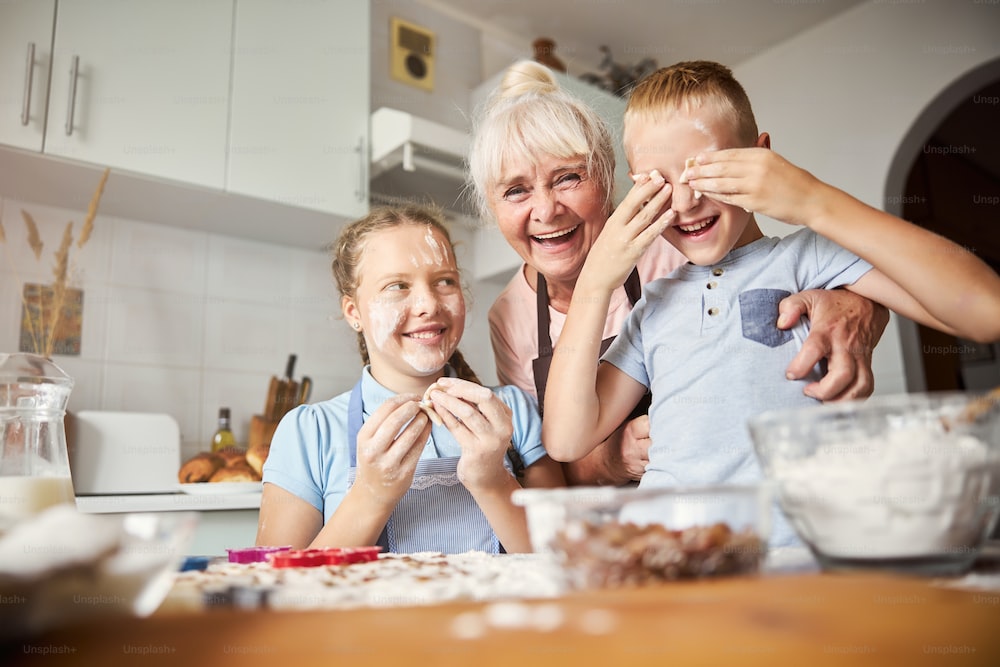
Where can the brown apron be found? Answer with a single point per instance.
(540, 366)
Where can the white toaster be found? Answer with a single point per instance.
(123, 452)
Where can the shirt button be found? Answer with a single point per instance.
(712, 285)
(713, 311)
(718, 272)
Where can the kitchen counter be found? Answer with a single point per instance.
(770, 620)
(225, 520)
(167, 502)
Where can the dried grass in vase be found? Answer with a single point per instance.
(43, 309)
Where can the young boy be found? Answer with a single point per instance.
(704, 339)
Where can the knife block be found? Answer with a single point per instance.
(261, 431)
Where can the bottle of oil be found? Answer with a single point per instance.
(223, 437)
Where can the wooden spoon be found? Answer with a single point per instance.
(977, 408)
(980, 406)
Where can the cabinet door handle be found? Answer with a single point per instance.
(29, 74)
(362, 190)
(73, 70)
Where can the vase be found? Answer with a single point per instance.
(544, 49)
(34, 464)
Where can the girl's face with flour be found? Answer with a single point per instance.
(408, 304)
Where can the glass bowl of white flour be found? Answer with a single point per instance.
(908, 482)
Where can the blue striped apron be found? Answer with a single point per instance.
(437, 513)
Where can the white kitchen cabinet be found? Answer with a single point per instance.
(142, 86)
(300, 101)
(25, 56)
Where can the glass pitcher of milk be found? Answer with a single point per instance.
(34, 465)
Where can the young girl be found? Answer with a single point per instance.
(368, 466)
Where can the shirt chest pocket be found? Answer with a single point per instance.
(759, 316)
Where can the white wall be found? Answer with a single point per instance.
(457, 73)
(839, 99)
(457, 68)
(180, 321)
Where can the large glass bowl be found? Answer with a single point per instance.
(609, 537)
(62, 565)
(908, 482)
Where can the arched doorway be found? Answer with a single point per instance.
(945, 176)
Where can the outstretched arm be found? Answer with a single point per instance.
(582, 405)
(917, 273)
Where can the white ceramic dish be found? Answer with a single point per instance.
(221, 488)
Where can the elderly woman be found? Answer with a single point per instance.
(542, 167)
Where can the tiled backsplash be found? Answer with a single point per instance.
(183, 322)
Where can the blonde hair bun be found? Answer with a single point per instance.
(527, 76)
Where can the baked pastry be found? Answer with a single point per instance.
(428, 407)
(200, 468)
(237, 472)
(256, 456)
(232, 455)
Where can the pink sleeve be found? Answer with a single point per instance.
(660, 259)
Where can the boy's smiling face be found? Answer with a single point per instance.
(704, 230)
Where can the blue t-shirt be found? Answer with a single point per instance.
(309, 454)
(704, 340)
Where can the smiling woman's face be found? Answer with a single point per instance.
(551, 212)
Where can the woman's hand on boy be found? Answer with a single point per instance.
(635, 444)
(844, 329)
(482, 425)
(389, 446)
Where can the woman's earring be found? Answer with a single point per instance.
(357, 326)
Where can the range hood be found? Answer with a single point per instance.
(415, 159)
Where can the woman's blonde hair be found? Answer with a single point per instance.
(530, 116)
(349, 249)
(691, 85)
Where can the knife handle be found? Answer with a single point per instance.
(290, 367)
(305, 388)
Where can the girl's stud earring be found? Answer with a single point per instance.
(357, 325)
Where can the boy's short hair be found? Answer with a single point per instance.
(691, 85)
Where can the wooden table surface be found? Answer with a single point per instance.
(794, 619)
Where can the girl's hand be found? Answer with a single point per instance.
(758, 180)
(389, 447)
(641, 217)
(481, 423)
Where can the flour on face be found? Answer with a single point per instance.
(420, 313)
(384, 319)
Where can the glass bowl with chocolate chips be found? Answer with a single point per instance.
(612, 537)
